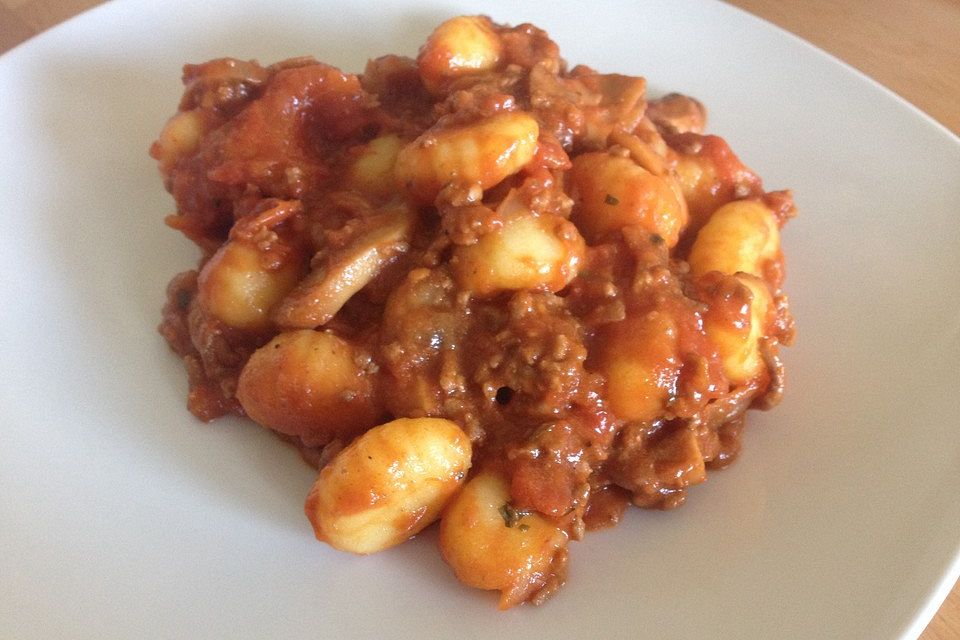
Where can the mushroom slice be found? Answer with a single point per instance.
(338, 274)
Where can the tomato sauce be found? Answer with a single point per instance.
(590, 370)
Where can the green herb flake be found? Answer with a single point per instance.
(656, 238)
(505, 512)
(611, 200)
(512, 516)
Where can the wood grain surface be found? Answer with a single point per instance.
(911, 46)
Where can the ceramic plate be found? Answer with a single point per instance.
(122, 516)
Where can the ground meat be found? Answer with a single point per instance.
(488, 237)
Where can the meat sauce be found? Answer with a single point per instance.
(577, 276)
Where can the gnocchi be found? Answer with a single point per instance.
(742, 236)
(179, 138)
(238, 289)
(246, 278)
(738, 323)
(640, 360)
(490, 545)
(479, 288)
(613, 192)
(312, 385)
(458, 47)
(389, 484)
(480, 154)
(372, 168)
(527, 252)
(710, 174)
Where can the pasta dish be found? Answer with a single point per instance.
(479, 286)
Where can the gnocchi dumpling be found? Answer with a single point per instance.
(458, 47)
(240, 288)
(388, 484)
(527, 252)
(180, 137)
(638, 356)
(477, 154)
(371, 170)
(710, 175)
(313, 385)
(491, 546)
(736, 321)
(613, 192)
(741, 236)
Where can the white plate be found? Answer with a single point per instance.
(122, 516)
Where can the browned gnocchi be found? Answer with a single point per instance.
(476, 286)
(313, 385)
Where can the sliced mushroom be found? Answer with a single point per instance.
(339, 274)
(678, 112)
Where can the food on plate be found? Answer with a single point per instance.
(477, 286)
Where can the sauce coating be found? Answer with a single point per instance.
(477, 285)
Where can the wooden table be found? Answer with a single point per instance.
(911, 46)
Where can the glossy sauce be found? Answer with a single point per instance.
(524, 356)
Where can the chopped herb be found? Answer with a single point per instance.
(611, 200)
(512, 516)
(656, 238)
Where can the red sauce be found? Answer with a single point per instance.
(269, 163)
